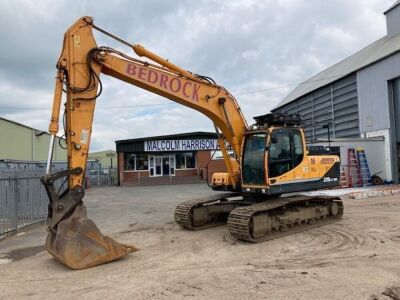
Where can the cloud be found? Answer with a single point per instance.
(244, 45)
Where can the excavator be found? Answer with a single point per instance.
(271, 156)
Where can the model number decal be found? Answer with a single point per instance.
(330, 179)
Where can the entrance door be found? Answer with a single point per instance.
(157, 166)
(162, 165)
(165, 165)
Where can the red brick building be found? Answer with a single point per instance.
(178, 158)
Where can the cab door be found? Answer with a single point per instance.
(286, 152)
(253, 159)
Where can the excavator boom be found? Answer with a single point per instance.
(73, 239)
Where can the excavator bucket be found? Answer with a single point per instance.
(79, 244)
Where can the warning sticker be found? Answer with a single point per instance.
(77, 41)
(84, 136)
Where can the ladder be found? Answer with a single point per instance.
(344, 183)
(353, 167)
(364, 169)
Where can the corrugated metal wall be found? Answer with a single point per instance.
(336, 103)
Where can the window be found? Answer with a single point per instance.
(298, 148)
(280, 160)
(180, 160)
(280, 145)
(129, 160)
(217, 154)
(136, 162)
(142, 162)
(285, 151)
(253, 159)
(190, 160)
(185, 160)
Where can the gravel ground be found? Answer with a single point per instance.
(355, 258)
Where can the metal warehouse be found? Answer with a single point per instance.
(357, 100)
(23, 143)
(178, 158)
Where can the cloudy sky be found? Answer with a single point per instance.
(259, 50)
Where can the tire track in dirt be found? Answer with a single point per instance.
(332, 238)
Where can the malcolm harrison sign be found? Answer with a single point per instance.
(181, 145)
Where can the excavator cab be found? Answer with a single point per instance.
(270, 154)
(275, 159)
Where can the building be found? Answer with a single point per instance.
(357, 98)
(178, 158)
(107, 159)
(19, 142)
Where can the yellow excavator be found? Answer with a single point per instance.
(271, 157)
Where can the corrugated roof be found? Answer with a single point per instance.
(372, 53)
(393, 6)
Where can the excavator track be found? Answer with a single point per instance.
(283, 216)
(205, 212)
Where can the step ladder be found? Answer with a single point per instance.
(364, 168)
(353, 169)
(344, 182)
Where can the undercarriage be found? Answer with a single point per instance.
(252, 220)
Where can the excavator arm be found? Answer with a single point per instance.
(73, 239)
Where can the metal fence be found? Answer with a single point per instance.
(23, 198)
(101, 177)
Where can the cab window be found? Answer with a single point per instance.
(285, 151)
(298, 148)
(253, 159)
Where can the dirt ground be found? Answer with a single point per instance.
(356, 258)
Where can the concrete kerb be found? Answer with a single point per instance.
(374, 193)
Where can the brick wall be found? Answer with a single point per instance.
(190, 172)
(203, 157)
(216, 166)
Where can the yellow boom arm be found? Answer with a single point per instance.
(79, 66)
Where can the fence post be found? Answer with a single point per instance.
(16, 203)
(98, 175)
